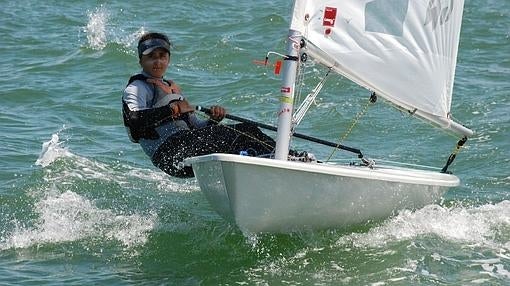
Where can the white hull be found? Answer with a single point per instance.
(266, 195)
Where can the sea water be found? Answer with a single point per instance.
(80, 204)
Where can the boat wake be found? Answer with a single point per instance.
(420, 244)
(484, 226)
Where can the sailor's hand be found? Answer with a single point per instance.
(180, 107)
(173, 88)
(217, 113)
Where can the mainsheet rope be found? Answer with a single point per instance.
(355, 121)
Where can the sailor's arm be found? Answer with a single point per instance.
(149, 118)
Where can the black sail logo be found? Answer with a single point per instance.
(438, 12)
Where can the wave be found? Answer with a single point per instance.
(424, 243)
(65, 217)
(82, 199)
(100, 31)
(86, 169)
(485, 226)
(51, 151)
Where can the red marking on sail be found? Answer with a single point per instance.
(329, 17)
(285, 89)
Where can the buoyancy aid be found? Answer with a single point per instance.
(142, 123)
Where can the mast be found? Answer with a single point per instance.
(287, 95)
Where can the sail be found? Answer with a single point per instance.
(404, 50)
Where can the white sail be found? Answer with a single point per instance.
(404, 50)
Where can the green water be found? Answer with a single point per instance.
(93, 210)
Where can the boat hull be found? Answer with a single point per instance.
(266, 195)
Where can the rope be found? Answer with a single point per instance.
(309, 100)
(454, 154)
(355, 121)
(269, 146)
(299, 82)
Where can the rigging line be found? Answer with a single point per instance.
(454, 154)
(299, 83)
(310, 98)
(355, 121)
(298, 135)
(268, 146)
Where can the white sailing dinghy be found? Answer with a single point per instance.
(404, 51)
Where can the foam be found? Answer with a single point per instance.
(96, 28)
(100, 32)
(63, 215)
(83, 169)
(476, 226)
(70, 217)
(51, 151)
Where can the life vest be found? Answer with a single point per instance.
(136, 132)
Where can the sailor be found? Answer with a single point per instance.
(161, 120)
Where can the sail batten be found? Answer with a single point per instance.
(404, 50)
